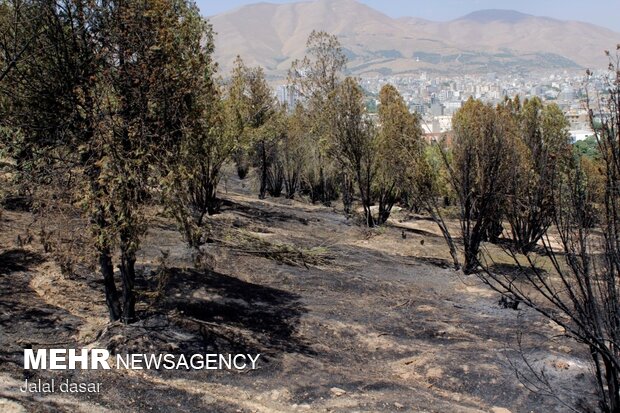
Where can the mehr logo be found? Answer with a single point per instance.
(93, 359)
(62, 359)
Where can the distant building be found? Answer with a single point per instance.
(451, 107)
(436, 109)
(418, 108)
(580, 135)
(442, 124)
(578, 119)
(567, 94)
(287, 95)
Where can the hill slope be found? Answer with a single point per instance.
(272, 35)
(379, 326)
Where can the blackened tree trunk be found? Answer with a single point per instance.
(240, 157)
(263, 171)
(347, 194)
(275, 181)
(213, 205)
(322, 187)
(471, 256)
(105, 264)
(111, 294)
(385, 209)
(291, 184)
(473, 230)
(128, 277)
(364, 187)
(613, 388)
(387, 199)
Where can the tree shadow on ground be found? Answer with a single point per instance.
(266, 215)
(509, 245)
(515, 271)
(25, 318)
(208, 311)
(417, 231)
(17, 203)
(268, 315)
(18, 260)
(437, 262)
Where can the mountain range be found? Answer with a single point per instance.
(273, 35)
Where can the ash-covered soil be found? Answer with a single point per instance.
(378, 323)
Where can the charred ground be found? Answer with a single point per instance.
(345, 320)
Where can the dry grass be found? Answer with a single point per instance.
(247, 243)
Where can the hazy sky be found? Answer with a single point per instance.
(602, 12)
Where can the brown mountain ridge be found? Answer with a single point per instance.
(272, 35)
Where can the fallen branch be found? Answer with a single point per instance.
(283, 253)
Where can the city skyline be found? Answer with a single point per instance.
(601, 12)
